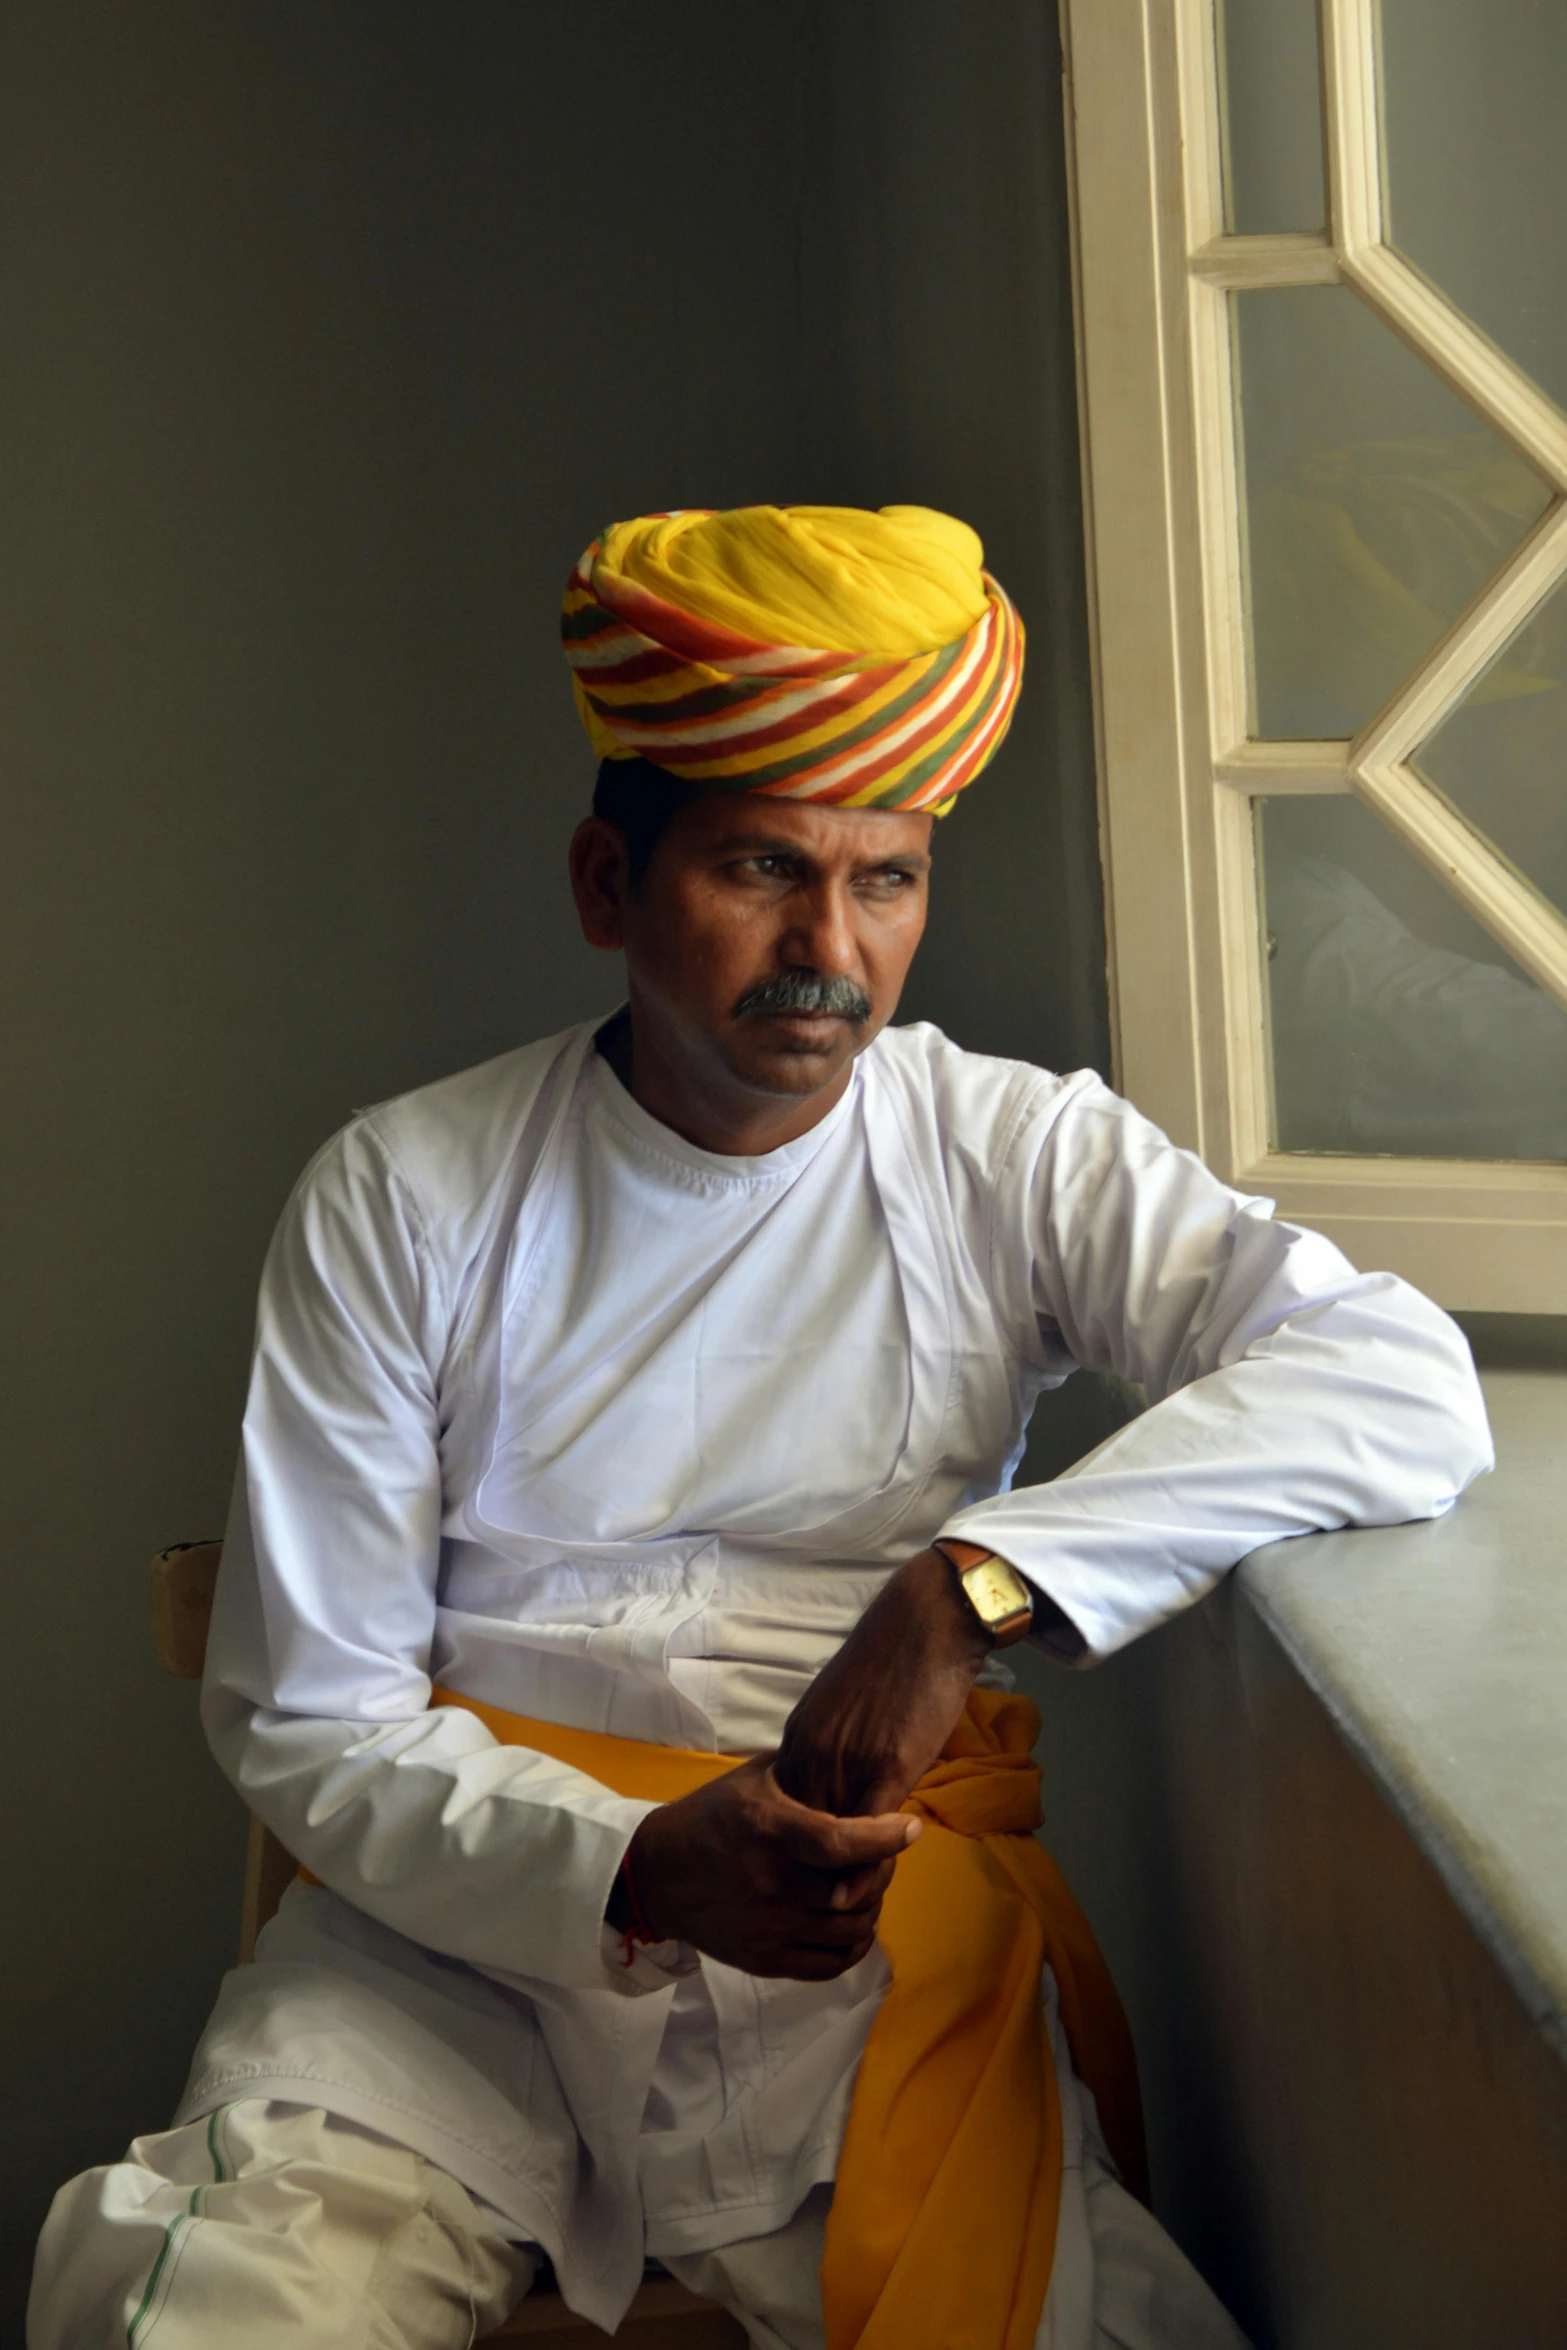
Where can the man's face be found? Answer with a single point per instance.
(770, 939)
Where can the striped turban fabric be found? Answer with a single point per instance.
(812, 652)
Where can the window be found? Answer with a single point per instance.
(1322, 338)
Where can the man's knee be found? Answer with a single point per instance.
(269, 2219)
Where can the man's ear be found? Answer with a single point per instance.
(599, 881)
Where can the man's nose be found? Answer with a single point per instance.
(822, 933)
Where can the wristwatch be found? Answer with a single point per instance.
(995, 1591)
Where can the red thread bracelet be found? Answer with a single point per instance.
(639, 1930)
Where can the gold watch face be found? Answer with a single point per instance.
(996, 1592)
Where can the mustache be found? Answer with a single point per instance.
(807, 991)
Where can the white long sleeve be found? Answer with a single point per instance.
(317, 1682)
(1288, 1393)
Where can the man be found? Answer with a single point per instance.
(623, 1537)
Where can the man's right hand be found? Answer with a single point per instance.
(748, 1876)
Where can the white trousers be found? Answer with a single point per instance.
(271, 2224)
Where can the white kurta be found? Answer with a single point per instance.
(555, 1408)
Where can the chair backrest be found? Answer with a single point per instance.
(184, 1578)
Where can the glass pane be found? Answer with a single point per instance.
(1398, 1025)
(1475, 108)
(1272, 83)
(1502, 756)
(1376, 505)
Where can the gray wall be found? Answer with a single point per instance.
(330, 335)
(1355, 2128)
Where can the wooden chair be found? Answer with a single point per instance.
(664, 2315)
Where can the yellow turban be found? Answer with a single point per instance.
(814, 652)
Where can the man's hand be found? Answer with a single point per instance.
(743, 1872)
(879, 1712)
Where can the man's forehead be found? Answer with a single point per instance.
(752, 822)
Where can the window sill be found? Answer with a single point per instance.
(1440, 1651)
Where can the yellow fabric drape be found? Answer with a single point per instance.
(942, 2230)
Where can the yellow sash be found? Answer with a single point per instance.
(943, 2220)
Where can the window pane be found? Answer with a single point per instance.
(1272, 116)
(1475, 106)
(1502, 756)
(1376, 506)
(1398, 1025)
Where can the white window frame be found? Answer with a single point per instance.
(1154, 273)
